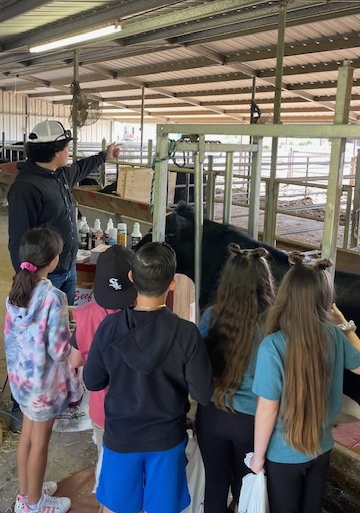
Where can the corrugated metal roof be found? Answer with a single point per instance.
(192, 56)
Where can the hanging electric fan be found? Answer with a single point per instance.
(86, 107)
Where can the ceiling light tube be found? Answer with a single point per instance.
(87, 36)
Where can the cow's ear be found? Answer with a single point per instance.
(185, 210)
(178, 226)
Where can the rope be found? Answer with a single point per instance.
(170, 156)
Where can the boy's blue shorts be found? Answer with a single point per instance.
(151, 481)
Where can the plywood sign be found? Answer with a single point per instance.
(134, 183)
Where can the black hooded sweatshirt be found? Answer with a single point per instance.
(42, 198)
(151, 362)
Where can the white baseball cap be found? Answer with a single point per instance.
(49, 131)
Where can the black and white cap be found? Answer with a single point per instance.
(112, 287)
(49, 131)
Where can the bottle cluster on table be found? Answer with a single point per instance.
(92, 237)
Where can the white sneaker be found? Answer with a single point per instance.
(49, 504)
(49, 488)
(46, 504)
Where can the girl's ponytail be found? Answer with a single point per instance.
(23, 285)
(38, 247)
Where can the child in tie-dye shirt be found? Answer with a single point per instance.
(40, 376)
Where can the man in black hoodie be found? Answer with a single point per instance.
(151, 360)
(41, 196)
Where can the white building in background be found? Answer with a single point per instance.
(128, 132)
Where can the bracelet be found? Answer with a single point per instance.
(347, 326)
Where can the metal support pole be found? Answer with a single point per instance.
(253, 91)
(229, 162)
(254, 197)
(102, 167)
(160, 186)
(355, 217)
(199, 221)
(27, 128)
(74, 110)
(142, 123)
(349, 202)
(210, 188)
(187, 188)
(332, 210)
(150, 151)
(270, 207)
(3, 145)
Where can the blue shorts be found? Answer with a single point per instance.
(151, 481)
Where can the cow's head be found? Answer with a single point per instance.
(179, 233)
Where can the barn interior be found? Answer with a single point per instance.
(225, 82)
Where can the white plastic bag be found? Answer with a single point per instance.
(75, 418)
(253, 495)
(195, 473)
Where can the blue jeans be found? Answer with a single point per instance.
(65, 282)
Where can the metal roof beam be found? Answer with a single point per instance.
(258, 20)
(20, 7)
(329, 44)
(88, 20)
(125, 9)
(237, 23)
(162, 91)
(94, 56)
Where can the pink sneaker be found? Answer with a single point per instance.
(47, 504)
(49, 488)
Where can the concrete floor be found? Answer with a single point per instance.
(68, 452)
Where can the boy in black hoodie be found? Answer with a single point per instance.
(151, 360)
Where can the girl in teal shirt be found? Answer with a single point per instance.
(299, 381)
(232, 328)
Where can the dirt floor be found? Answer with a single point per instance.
(303, 230)
(68, 452)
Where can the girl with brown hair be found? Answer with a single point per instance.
(233, 329)
(299, 381)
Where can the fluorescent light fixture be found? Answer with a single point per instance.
(87, 36)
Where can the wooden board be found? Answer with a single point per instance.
(134, 183)
(89, 196)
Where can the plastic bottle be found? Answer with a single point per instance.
(98, 234)
(110, 224)
(112, 236)
(79, 223)
(122, 234)
(84, 234)
(136, 235)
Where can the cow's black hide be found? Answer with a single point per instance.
(216, 237)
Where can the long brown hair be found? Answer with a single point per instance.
(245, 290)
(301, 310)
(38, 246)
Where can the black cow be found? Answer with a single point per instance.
(180, 231)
